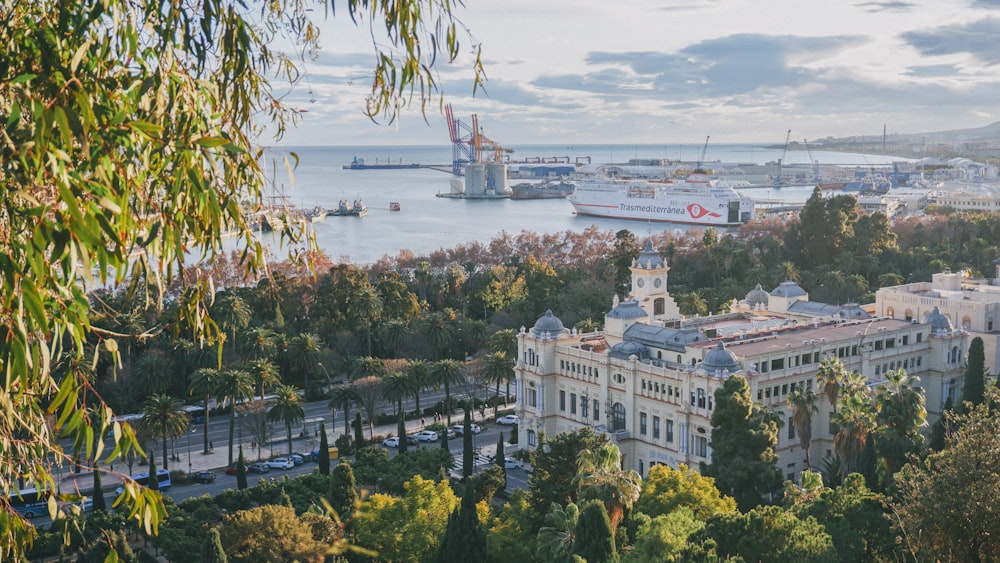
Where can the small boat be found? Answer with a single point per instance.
(393, 206)
(358, 209)
(316, 214)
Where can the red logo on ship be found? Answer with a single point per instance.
(697, 212)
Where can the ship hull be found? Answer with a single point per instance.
(665, 203)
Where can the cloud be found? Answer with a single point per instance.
(976, 38)
(875, 7)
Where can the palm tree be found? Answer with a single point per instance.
(420, 377)
(287, 409)
(342, 397)
(497, 369)
(600, 476)
(258, 342)
(235, 386)
(447, 373)
(504, 341)
(803, 404)
(152, 372)
(393, 334)
(396, 387)
(692, 303)
(306, 353)
(368, 306)
(366, 366)
(232, 313)
(437, 330)
(164, 416)
(831, 376)
(555, 539)
(264, 374)
(901, 415)
(205, 383)
(855, 420)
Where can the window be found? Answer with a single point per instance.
(597, 410)
(532, 397)
(584, 403)
(658, 306)
(618, 423)
(572, 403)
(701, 446)
(642, 424)
(920, 337)
(670, 431)
(562, 400)
(906, 339)
(778, 363)
(701, 398)
(531, 438)
(656, 428)
(878, 345)
(791, 429)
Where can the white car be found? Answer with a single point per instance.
(509, 419)
(511, 463)
(391, 442)
(280, 463)
(427, 436)
(460, 429)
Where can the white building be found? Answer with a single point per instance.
(649, 378)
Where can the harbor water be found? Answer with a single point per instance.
(425, 223)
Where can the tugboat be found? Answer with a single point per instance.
(358, 209)
(393, 206)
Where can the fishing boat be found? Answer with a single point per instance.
(541, 190)
(357, 209)
(696, 200)
(393, 206)
(316, 214)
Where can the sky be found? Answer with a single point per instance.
(654, 72)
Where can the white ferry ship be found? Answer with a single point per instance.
(696, 201)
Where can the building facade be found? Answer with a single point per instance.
(648, 379)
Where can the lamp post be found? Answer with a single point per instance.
(320, 364)
(194, 430)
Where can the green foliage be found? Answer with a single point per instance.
(509, 538)
(468, 455)
(666, 489)
(324, 451)
(100, 503)
(211, 548)
(945, 504)
(488, 482)
(743, 441)
(343, 494)
(974, 388)
(464, 538)
(554, 464)
(241, 471)
(595, 540)
(269, 533)
(900, 420)
(663, 537)
(767, 533)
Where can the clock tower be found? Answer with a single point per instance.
(649, 285)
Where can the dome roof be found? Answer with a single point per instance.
(548, 326)
(720, 359)
(648, 258)
(788, 289)
(627, 310)
(939, 322)
(852, 311)
(757, 296)
(627, 349)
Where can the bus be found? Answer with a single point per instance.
(30, 503)
(162, 477)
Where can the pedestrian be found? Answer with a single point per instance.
(423, 422)
(211, 447)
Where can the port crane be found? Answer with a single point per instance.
(780, 178)
(814, 163)
(469, 144)
(701, 157)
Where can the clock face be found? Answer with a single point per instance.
(640, 283)
(657, 282)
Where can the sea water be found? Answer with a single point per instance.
(426, 223)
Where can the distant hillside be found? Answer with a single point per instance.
(989, 132)
(981, 143)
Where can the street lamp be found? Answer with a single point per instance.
(194, 430)
(320, 364)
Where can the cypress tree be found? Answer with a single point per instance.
(974, 389)
(500, 458)
(938, 430)
(594, 539)
(444, 439)
(468, 455)
(98, 495)
(241, 471)
(211, 548)
(401, 432)
(464, 538)
(343, 494)
(359, 431)
(324, 451)
(153, 482)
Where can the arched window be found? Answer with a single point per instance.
(618, 418)
(659, 306)
(890, 312)
(909, 314)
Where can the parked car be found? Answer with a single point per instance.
(391, 442)
(205, 476)
(86, 504)
(231, 470)
(511, 463)
(280, 463)
(427, 436)
(258, 468)
(298, 458)
(460, 429)
(509, 419)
